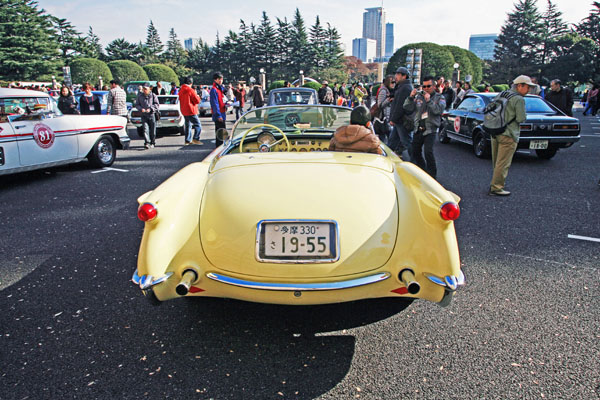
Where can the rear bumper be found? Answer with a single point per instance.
(555, 141)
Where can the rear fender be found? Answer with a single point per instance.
(427, 243)
(175, 227)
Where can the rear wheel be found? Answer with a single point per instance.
(480, 146)
(546, 154)
(103, 153)
(140, 131)
(181, 130)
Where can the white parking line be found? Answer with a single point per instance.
(587, 238)
(105, 169)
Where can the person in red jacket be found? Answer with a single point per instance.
(188, 103)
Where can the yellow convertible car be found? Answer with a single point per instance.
(272, 216)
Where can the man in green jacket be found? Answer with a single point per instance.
(504, 145)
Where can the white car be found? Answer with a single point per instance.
(171, 118)
(34, 134)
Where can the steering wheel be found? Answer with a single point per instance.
(284, 138)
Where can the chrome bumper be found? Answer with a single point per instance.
(301, 287)
(450, 282)
(147, 281)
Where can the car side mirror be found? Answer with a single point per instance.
(222, 134)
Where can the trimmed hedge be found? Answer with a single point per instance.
(160, 72)
(312, 85)
(125, 71)
(88, 70)
(500, 88)
(276, 85)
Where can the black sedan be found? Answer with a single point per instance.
(545, 130)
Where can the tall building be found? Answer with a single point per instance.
(483, 45)
(190, 44)
(389, 40)
(364, 49)
(373, 28)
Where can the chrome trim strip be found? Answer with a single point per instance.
(288, 287)
(553, 138)
(303, 261)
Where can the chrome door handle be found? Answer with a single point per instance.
(20, 126)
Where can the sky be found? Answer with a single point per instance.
(439, 21)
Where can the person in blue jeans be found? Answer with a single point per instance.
(188, 103)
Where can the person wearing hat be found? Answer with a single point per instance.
(147, 104)
(401, 122)
(504, 145)
(359, 93)
(325, 94)
(358, 136)
(217, 104)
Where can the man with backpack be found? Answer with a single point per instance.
(325, 94)
(502, 119)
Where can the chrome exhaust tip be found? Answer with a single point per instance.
(407, 277)
(183, 287)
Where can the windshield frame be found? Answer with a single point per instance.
(239, 129)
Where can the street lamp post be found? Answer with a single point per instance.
(301, 78)
(54, 85)
(263, 81)
(456, 73)
(100, 81)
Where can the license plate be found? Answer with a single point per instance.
(538, 144)
(297, 241)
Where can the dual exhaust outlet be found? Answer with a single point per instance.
(407, 277)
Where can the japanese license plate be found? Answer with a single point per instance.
(297, 241)
(538, 144)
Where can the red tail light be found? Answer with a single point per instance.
(450, 211)
(147, 212)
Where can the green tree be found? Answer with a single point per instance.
(334, 54)
(94, 48)
(299, 44)
(477, 65)
(28, 45)
(283, 68)
(174, 51)
(464, 61)
(70, 42)
(153, 43)
(198, 60)
(88, 70)
(553, 28)
(160, 72)
(590, 28)
(125, 71)
(519, 42)
(436, 60)
(575, 62)
(317, 49)
(121, 49)
(265, 44)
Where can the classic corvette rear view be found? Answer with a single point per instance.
(273, 217)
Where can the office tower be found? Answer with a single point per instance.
(364, 49)
(389, 40)
(483, 45)
(373, 28)
(190, 44)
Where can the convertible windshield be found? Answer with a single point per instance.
(295, 119)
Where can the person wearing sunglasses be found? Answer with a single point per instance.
(426, 107)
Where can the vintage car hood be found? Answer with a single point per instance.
(361, 199)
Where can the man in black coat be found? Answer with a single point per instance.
(560, 97)
(400, 138)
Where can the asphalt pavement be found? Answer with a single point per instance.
(526, 325)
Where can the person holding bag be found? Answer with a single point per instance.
(147, 104)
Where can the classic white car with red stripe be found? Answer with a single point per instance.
(34, 134)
